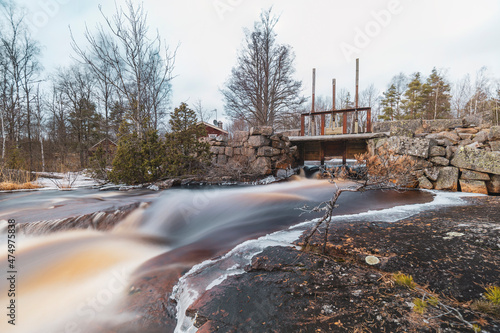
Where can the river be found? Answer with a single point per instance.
(143, 274)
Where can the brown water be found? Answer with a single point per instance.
(84, 281)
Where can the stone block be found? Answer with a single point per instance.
(440, 125)
(265, 151)
(465, 136)
(241, 135)
(229, 152)
(279, 144)
(494, 133)
(477, 160)
(437, 151)
(468, 130)
(237, 151)
(494, 184)
(473, 175)
(447, 179)
(452, 136)
(441, 161)
(473, 186)
(261, 130)
(425, 183)
(495, 145)
(480, 137)
(418, 147)
(262, 166)
(258, 141)
(432, 173)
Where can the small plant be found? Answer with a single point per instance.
(404, 280)
(433, 301)
(420, 305)
(476, 328)
(493, 294)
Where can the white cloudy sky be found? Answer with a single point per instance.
(459, 36)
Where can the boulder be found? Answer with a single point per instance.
(240, 136)
(261, 166)
(465, 136)
(452, 136)
(495, 145)
(473, 175)
(425, 183)
(450, 152)
(494, 185)
(276, 137)
(440, 161)
(468, 130)
(258, 141)
(261, 130)
(248, 151)
(440, 125)
(417, 147)
(237, 151)
(437, 151)
(447, 179)
(432, 173)
(480, 137)
(494, 133)
(473, 186)
(477, 160)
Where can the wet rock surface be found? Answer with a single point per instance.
(452, 253)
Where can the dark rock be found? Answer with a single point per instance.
(494, 184)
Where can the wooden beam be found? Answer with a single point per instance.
(302, 125)
(344, 125)
(369, 121)
(323, 121)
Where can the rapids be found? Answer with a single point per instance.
(186, 242)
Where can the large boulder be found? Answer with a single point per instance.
(258, 141)
(447, 179)
(481, 137)
(418, 147)
(473, 186)
(437, 151)
(261, 130)
(495, 145)
(474, 175)
(477, 160)
(494, 133)
(240, 136)
(451, 136)
(425, 183)
(440, 125)
(262, 166)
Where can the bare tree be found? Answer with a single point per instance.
(461, 94)
(261, 86)
(203, 113)
(121, 53)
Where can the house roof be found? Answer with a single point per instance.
(214, 127)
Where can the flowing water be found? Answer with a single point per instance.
(156, 262)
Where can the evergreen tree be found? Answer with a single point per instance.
(437, 94)
(389, 104)
(186, 152)
(414, 98)
(138, 160)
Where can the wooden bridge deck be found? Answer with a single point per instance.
(319, 148)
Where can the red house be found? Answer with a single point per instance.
(214, 131)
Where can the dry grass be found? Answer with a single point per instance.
(9, 186)
(11, 180)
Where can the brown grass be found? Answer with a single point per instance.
(9, 186)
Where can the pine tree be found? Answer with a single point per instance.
(389, 102)
(414, 98)
(186, 153)
(437, 95)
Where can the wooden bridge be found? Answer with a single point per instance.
(337, 134)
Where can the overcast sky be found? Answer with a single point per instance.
(389, 37)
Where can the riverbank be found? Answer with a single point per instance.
(452, 253)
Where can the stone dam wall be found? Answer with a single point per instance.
(451, 155)
(259, 151)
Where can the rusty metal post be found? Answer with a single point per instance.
(369, 121)
(356, 118)
(344, 123)
(323, 121)
(312, 124)
(302, 125)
